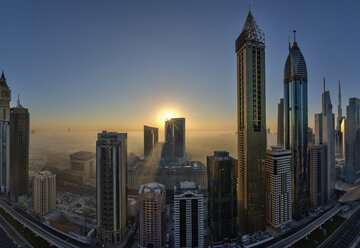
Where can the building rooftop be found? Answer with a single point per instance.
(82, 155)
(187, 187)
(153, 188)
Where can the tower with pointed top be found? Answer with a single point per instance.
(19, 151)
(296, 126)
(5, 97)
(251, 127)
(338, 132)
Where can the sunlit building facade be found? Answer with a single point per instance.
(251, 125)
(5, 98)
(111, 188)
(152, 217)
(44, 192)
(222, 173)
(296, 126)
(339, 145)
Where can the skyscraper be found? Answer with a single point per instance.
(19, 151)
(151, 202)
(251, 125)
(5, 98)
(188, 215)
(328, 139)
(352, 140)
(111, 188)
(278, 187)
(151, 139)
(280, 127)
(317, 174)
(44, 192)
(296, 126)
(175, 138)
(318, 128)
(222, 173)
(338, 132)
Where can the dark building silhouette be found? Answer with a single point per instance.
(151, 139)
(221, 170)
(280, 127)
(317, 175)
(174, 146)
(251, 114)
(19, 151)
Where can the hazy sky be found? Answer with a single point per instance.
(116, 65)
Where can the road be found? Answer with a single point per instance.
(287, 242)
(345, 234)
(20, 241)
(37, 229)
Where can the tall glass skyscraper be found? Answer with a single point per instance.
(250, 51)
(296, 126)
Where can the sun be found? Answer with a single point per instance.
(166, 115)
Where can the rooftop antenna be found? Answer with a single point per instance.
(294, 35)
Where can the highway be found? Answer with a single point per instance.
(20, 241)
(345, 234)
(38, 230)
(287, 242)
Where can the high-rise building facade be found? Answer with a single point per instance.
(318, 128)
(44, 192)
(19, 152)
(280, 127)
(152, 209)
(111, 188)
(328, 140)
(174, 138)
(316, 157)
(222, 212)
(311, 136)
(251, 127)
(352, 140)
(5, 98)
(338, 132)
(188, 215)
(296, 126)
(278, 187)
(151, 139)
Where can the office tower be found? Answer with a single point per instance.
(5, 98)
(328, 139)
(83, 162)
(151, 139)
(311, 137)
(251, 121)
(318, 128)
(19, 152)
(222, 173)
(352, 140)
(188, 215)
(175, 138)
(152, 206)
(296, 126)
(44, 192)
(316, 156)
(111, 188)
(280, 124)
(338, 132)
(278, 187)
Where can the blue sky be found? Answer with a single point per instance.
(117, 65)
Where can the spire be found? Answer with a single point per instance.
(3, 79)
(18, 102)
(250, 32)
(324, 84)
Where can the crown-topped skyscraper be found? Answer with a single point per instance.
(296, 126)
(251, 123)
(5, 97)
